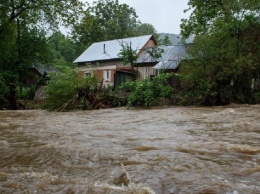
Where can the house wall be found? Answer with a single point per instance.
(142, 72)
(146, 72)
(100, 69)
(150, 43)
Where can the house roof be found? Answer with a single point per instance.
(170, 58)
(108, 50)
(43, 69)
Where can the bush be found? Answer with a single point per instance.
(148, 93)
(63, 87)
(66, 91)
(27, 93)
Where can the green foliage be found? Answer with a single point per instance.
(148, 93)
(166, 40)
(24, 27)
(105, 20)
(45, 14)
(225, 52)
(108, 20)
(27, 93)
(205, 14)
(3, 87)
(145, 29)
(68, 91)
(127, 54)
(62, 87)
(155, 52)
(32, 47)
(257, 97)
(62, 48)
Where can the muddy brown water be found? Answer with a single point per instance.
(182, 150)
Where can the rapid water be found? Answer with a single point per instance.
(180, 150)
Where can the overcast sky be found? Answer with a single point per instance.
(164, 15)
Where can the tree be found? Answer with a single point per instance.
(225, 51)
(107, 20)
(145, 29)
(166, 40)
(29, 47)
(62, 48)
(128, 55)
(206, 14)
(24, 26)
(48, 13)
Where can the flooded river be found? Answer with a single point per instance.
(180, 150)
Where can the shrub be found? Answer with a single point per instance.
(67, 91)
(27, 93)
(148, 93)
(63, 87)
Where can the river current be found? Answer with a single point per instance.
(166, 150)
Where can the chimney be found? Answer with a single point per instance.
(104, 49)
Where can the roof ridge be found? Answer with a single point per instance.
(123, 38)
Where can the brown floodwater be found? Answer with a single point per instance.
(182, 150)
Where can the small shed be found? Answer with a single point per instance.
(37, 74)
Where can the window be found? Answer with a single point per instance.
(87, 74)
(106, 75)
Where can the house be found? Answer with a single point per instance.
(103, 58)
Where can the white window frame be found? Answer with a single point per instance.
(107, 75)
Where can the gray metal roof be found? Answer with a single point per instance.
(42, 69)
(167, 65)
(170, 58)
(108, 50)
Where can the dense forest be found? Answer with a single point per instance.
(224, 65)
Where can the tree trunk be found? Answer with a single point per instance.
(12, 97)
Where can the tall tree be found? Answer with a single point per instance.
(145, 29)
(205, 14)
(166, 40)
(62, 48)
(24, 26)
(226, 48)
(106, 20)
(48, 13)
